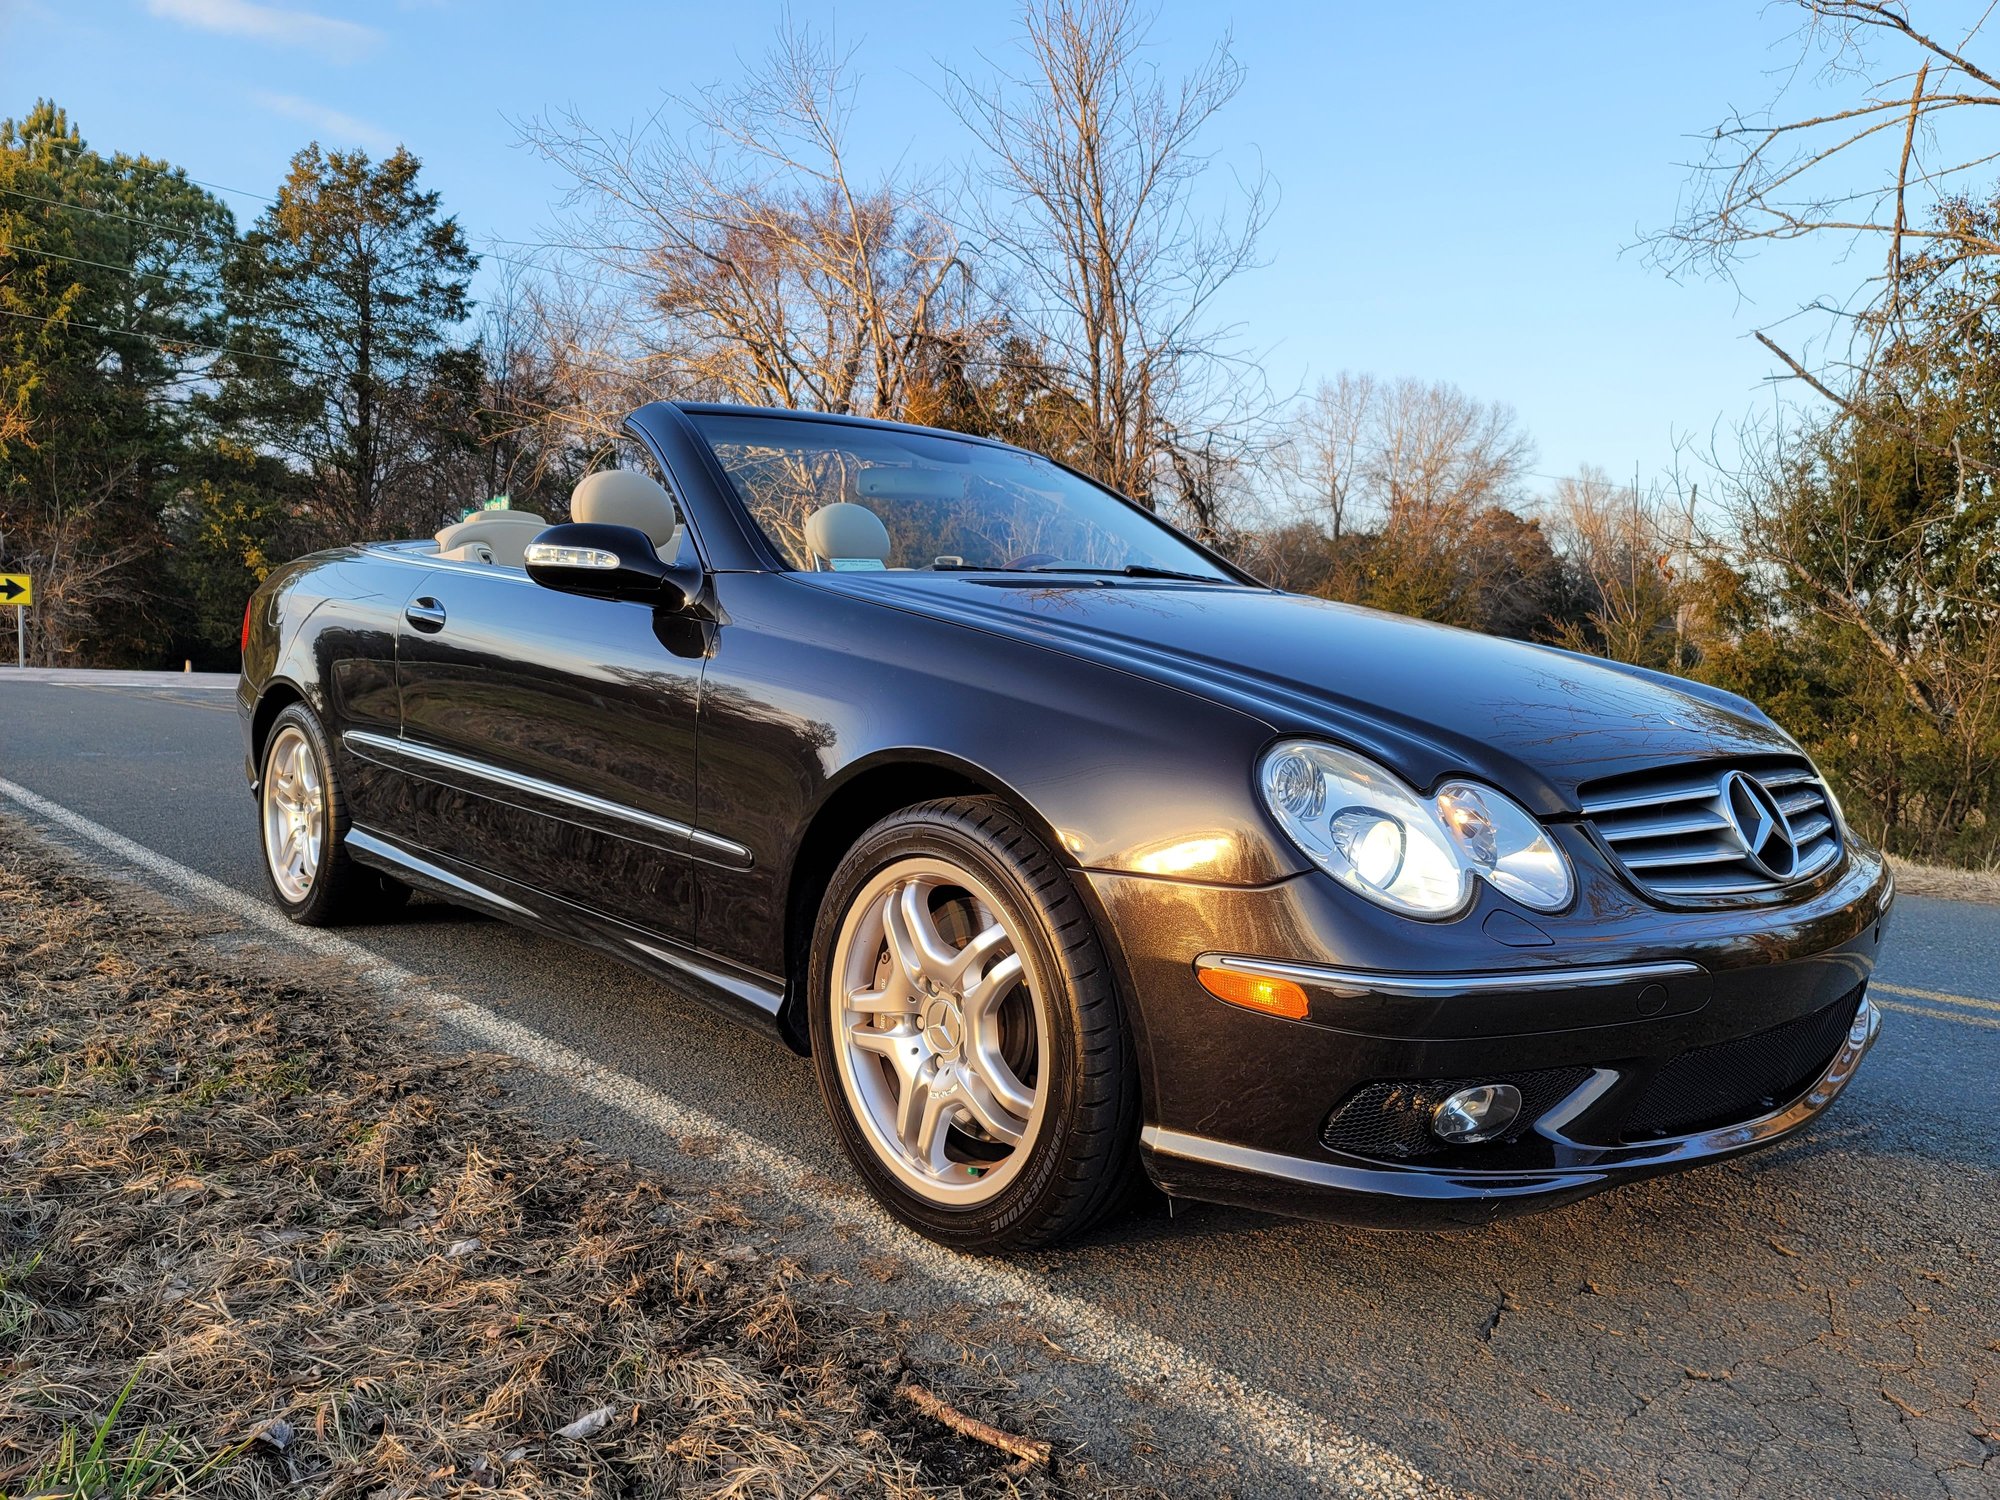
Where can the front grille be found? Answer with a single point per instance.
(1680, 831)
(1392, 1120)
(1735, 1081)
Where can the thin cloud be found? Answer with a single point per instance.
(269, 23)
(333, 125)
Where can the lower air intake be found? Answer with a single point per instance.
(1736, 1081)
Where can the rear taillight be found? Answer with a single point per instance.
(247, 603)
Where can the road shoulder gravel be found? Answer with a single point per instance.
(298, 1245)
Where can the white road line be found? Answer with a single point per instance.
(213, 682)
(1242, 1414)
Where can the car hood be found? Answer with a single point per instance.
(1428, 699)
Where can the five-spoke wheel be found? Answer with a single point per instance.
(966, 1031)
(940, 1031)
(303, 821)
(294, 812)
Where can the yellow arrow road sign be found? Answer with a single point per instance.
(16, 588)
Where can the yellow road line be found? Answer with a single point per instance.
(1943, 996)
(1939, 1015)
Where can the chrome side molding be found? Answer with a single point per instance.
(383, 855)
(711, 848)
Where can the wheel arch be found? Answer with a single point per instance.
(861, 796)
(278, 695)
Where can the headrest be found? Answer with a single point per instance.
(625, 497)
(843, 532)
(506, 532)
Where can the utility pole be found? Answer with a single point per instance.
(20, 621)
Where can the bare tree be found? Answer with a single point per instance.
(1413, 454)
(1436, 454)
(753, 264)
(1628, 555)
(1320, 457)
(1894, 157)
(1410, 485)
(1096, 173)
(533, 444)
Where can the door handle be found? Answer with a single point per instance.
(426, 614)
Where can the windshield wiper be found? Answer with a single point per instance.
(1133, 570)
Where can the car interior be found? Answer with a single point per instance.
(842, 537)
(845, 537)
(499, 537)
(610, 497)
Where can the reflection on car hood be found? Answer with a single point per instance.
(1429, 699)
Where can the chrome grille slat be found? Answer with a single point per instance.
(1716, 853)
(1628, 827)
(1792, 777)
(1673, 831)
(1672, 884)
(1702, 791)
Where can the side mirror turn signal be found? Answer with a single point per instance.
(609, 562)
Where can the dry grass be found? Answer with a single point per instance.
(1952, 884)
(327, 1264)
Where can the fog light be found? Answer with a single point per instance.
(1477, 1114)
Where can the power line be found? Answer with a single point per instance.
(102, 265)
(236, 192)
(161, 338)
(170, 339)
(193, 232)
(106, 213)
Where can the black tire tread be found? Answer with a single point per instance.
(344, 893)
(1100, 1164)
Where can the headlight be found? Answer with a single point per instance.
(1413, 854)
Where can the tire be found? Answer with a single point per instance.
(302, 824)
(984, 1087)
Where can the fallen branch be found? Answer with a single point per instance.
(1027, 1450)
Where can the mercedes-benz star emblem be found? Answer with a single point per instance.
(1760, 825)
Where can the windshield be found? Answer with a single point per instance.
(835, 497)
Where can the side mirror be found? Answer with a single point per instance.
(609, 562)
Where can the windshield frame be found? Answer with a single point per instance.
(694, 416)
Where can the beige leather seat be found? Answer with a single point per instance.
(499, 537)
(848, 535)
(625, 497)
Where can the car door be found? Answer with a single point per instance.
(553, 740)
(355, 607)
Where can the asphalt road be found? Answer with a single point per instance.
(1819, 1320)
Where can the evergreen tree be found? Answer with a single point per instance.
(108, 314)
(345, 297)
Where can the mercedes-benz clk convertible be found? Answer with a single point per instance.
(1072, 854)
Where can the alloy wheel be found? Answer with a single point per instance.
(294, 813)
(941, 1030)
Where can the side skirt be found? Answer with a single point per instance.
(744, 995)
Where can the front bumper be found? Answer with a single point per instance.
(1639, 1021)
(1193, 1166)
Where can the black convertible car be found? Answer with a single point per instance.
(1066, 848)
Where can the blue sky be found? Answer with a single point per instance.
(1461, 183)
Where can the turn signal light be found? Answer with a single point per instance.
(1275, 997)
